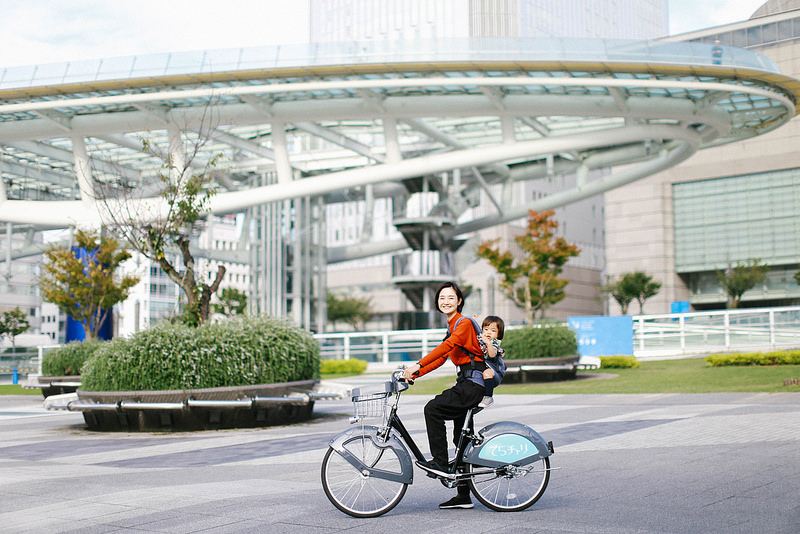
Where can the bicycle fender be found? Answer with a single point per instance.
(406, 474)
(506, 443)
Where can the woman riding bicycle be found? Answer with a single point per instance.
(452, 404)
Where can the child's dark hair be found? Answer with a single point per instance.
(501, 326)
(455, 288)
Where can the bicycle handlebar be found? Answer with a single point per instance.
(399, 383)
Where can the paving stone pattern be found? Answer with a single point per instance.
(716, 463)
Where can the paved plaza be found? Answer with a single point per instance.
(659, 463)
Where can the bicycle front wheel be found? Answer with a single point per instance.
(511, 488)
(354, 491)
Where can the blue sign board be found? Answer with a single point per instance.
(600, 335)
(680, 306)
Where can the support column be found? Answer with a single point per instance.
(307, 265)
(177, 157)
(83, 170)
(9, 229)
(282, 164)
(393, 154)
(9, 233)
(507, 125)
(3, 192)
(268, 279)
(369, 214)
(582, 176)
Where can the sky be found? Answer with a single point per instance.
(53, 31)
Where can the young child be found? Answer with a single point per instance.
(492, 330)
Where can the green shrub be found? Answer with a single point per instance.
(539, 341)
(246, 351)
(68, 359)
(353, 366)
(780, 357)
(619, 362)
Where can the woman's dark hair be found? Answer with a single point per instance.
(459, 295)
(501, 326)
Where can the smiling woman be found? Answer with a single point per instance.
(462, 347)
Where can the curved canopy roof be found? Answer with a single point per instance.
(328, 118)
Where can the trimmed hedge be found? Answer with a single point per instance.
(619, 362)
(247, 351)
(539, 341)
(781, 357)
(351, 366)
(68, 359)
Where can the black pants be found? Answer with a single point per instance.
(450, 405)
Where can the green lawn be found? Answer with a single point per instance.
(12, 389)
(666, 376)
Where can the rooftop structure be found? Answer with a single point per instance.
(300, 127)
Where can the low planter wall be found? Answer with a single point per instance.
(541, 369)
(197, 409)
(54, 385)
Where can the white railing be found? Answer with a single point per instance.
(383, 347)
(674, 334)
(719, 330)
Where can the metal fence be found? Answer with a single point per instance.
(19, 364)
(675, 334)
(25, 363)
(716, 331)
(664, 335)
(380, 347)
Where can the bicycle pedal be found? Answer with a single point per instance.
(435, 473)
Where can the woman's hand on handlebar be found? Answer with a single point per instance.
(409, 372)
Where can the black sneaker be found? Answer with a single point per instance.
(459, 501)
(433, 468)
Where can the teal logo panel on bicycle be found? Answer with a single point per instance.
(507, 448)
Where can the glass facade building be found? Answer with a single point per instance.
(726, 205)
(726, 221)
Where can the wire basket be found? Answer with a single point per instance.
(370, 405)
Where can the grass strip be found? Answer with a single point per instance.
(16, 389)
(663, 376)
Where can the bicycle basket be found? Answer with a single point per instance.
(370, 401)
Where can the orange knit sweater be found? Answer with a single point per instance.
(464, 336)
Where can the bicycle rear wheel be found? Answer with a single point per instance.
(355, 492)
(511, 488)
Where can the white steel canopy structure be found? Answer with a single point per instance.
(461, 118)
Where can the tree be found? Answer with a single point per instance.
(187, 195)
(617, 290)
(637, 285)
(351, 310)
(640, 286)
(231, 302)
(12, 324)
(742, 277)
(531, 281)
(80, 280)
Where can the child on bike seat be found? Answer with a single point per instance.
(492, 330)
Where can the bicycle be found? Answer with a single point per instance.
(367, 469)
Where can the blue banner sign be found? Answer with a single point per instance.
(600, 335)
